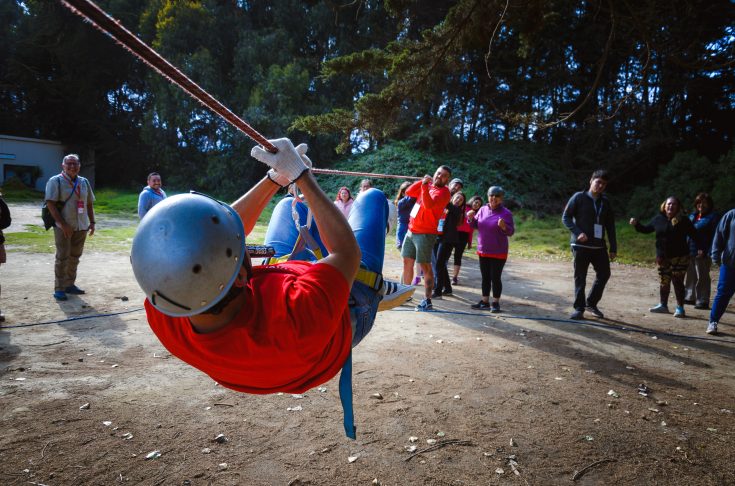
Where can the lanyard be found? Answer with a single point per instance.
(598, 210)
(75, 189)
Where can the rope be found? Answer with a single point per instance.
(69, 319)
(578, 323)
(122, 36)
(363, 174)
(128, 41)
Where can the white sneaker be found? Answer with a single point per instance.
(394, 294)
(712, 328)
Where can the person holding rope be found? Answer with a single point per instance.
(280, 327)
(432, 196)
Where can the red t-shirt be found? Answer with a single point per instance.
(292, 334)
(429, 208)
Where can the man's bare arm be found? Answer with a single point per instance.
(251, 204)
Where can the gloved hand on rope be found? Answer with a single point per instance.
(287, 164)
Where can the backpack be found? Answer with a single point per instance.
(5, 218)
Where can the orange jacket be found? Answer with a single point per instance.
(429, 208)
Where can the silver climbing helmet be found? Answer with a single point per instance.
(187, 253)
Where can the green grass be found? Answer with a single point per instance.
(540, 238)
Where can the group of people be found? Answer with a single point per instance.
(300, 313)
(686, 246)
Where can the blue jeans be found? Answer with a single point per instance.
(368, 219)
(725, 291)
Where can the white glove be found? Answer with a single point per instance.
(287, 162)
(282, 180)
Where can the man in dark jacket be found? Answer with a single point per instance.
(589, 215)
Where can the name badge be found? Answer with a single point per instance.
(598, 231)
(415, 210)
(80, 207)
(440, 226)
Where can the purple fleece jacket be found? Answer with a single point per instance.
(490, 238)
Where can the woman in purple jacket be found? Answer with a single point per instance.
(494, 225)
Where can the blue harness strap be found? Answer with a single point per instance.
(345, 396)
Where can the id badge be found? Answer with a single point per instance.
(80, 207)
(440, 226)
(415, 210)
(598, 231)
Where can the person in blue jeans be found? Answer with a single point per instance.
(723, 254)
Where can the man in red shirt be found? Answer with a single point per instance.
(432, 197)
(284, 327)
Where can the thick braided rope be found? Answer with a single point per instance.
(130, 42)
(102, 21)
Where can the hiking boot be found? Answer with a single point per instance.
(394, 294)
(701, 305)
(712, 328)
(481, 305)
(454, 280)
(74, 290)
(595, 311)
(577, 315)
(659, 309)
(679, 311)
(60, 295)
(424, 306)
(495, 307)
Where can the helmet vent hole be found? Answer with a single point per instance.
(215, 219)
(197, 268)
(229, 252)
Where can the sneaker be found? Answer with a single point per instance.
(447, 292)
(424, 306)
(689, 301)
(2, 317)
(60, 295)
(595, 311)
(577, 315)
(394, 294)
(416, 281)
(679, 311)
(74, 290)
(481, 305)
(712, 328)
(436, 295)
(701, 305)
(495, 307)
(454, 280)
(659, 309)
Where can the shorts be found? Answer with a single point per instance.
(418, 247)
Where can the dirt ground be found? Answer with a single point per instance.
(522, 397)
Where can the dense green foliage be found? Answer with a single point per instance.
(532, 94)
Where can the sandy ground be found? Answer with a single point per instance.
(522, 397)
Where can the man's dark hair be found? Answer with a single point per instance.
(601, 174)
(152, 174)
(446, 167)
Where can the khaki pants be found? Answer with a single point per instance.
(68, 252)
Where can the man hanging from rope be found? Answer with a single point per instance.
(284, 327)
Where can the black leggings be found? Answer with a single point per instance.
(459, 247)
(491, 270)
